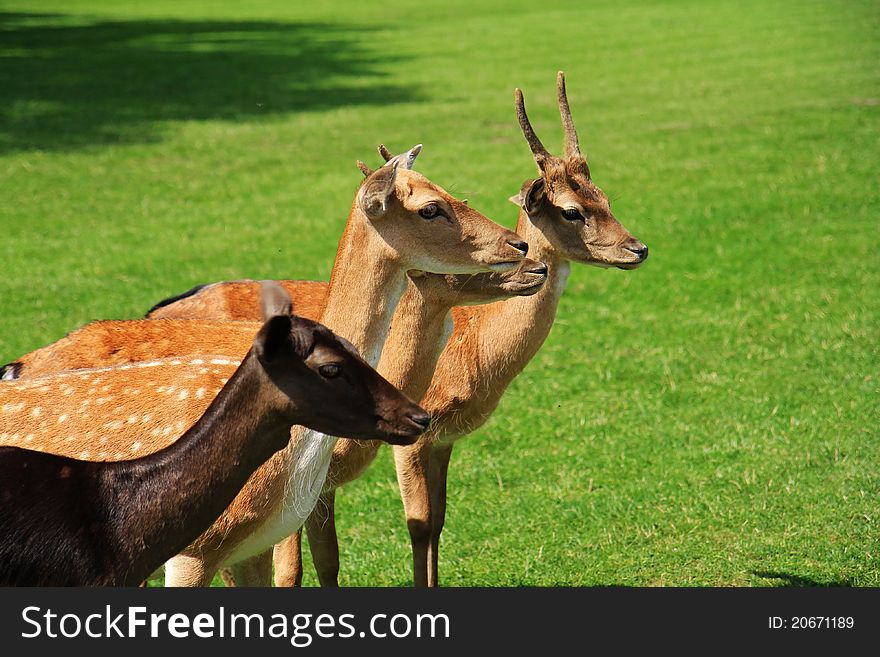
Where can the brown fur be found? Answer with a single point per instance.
(136, 513)
(383, 239)
(239, 300)
(492, 344)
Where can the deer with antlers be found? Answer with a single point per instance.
(399, 222)
(565, 218)
(65, 521)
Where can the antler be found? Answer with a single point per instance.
(572, 148)
(405, 159)
(535, 144)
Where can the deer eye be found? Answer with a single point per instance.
(572, 214)
(330, 370)
(430, 211)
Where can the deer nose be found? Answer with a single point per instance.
(421, 419)
(540, 269)
(641, 252)
(519, 245)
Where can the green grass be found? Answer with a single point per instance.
(711, 419)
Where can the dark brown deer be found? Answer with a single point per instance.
(65, 521)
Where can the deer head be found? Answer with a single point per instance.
(566, 206)
(323, 379)
(408, 210)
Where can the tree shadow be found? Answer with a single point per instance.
(788, 579)
(69, 82)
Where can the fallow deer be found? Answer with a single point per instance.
(399, 222)
(422, 319)
(65, 521)
(565, 218)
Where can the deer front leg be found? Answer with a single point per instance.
(321, 530)
(228, 577)
(188, 570)
(255, 571)
(438, 467)
(411, 463)
(288, 561)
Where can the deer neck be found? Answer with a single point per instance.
(514, 330)
(418, 332)
(177, 492)
(365, 287)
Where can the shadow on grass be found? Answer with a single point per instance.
(70, 82)
(788, 579)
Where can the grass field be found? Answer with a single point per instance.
(711, 419)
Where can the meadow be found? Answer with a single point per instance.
(709, 419)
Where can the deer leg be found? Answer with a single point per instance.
(228, 577)
(288, 561)
(188, 570)
(321, 530)
(254, 571)
(438, 467)
(411, 463)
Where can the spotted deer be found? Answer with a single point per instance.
(66, 521)
(399, 222)
(422, 319)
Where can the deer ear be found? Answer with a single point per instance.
(274, 299)
(531, 195)
(377, 191)
(272, 338)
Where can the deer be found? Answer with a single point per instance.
(420, 328)
(399, 222)
(565, 218)
(71, 522)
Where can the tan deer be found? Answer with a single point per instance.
(65, 521)
(565, 217)
(399, 222)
